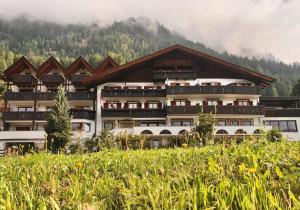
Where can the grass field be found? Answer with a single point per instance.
(245, 176)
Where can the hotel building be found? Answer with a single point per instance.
(159, 95)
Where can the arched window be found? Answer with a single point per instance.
(240, 131)
(258, 131)
(222, 131)
(146, 132)
(182, 132)
(165, 132)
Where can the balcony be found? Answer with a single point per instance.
(133, 93)
(134, 113)
(193, 110)
(288, 112)
(77, 78)
(176, 90)
(46, 96)
(24, 116)
(42, 116)
(26, 79)
(83, 114)
(161, 75)
(52, 79)
(22, 135)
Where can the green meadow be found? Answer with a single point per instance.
(251, 175)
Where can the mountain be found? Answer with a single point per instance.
(124, 41)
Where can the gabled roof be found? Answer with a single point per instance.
(107, 63)
(19, 66)
(102, 76)
(78, 64)
(48, 65)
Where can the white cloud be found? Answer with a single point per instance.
(248, 27)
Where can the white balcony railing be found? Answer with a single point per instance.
(22, 135)
(175, 130)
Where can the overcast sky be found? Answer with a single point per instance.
(242, 27)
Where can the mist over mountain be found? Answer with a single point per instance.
(122, 40)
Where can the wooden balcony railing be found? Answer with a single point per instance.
(191, 110)
(288, 112)
(160, 75)
(30, 96)
(134, 113)
(52, 79)
(42, 116)
(7, 116)
(133, 93)
(176, 90)
(23, 79)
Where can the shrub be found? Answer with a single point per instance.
(75, 148)
(274, 135)
(105, 140)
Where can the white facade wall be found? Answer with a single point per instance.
(291, 136)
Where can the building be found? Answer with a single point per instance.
(159, 95)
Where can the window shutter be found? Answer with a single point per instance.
(146, 105)
(235, 103)
(220, 103)
(250, 103)
(173, 103)
(125, 105)
(105, 105)
(139, 105)
(159, 105)
(204, 103)
(188, 103)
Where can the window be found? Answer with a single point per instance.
(234, 122)
(133, 87)
(76, 126)
(150, 123)
(180, 102)
(132, 105)
(152, 105)
(49, 109)
(211, 83)
(23, 128)
(187, 122)
(25, 109)
(242, 102)
(283, 125)
(86, 127)
(109, 125)
(212, 102)
(221, 122)
(112, 105)
(246, 122)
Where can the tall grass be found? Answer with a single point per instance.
(245, 176)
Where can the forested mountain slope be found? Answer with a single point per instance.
(124, 41)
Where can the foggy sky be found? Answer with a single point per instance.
(242, 27)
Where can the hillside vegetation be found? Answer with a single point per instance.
(124, 41)
(246, 176)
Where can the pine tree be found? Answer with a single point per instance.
(59, 129)
(205, 126)
(296, 89)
